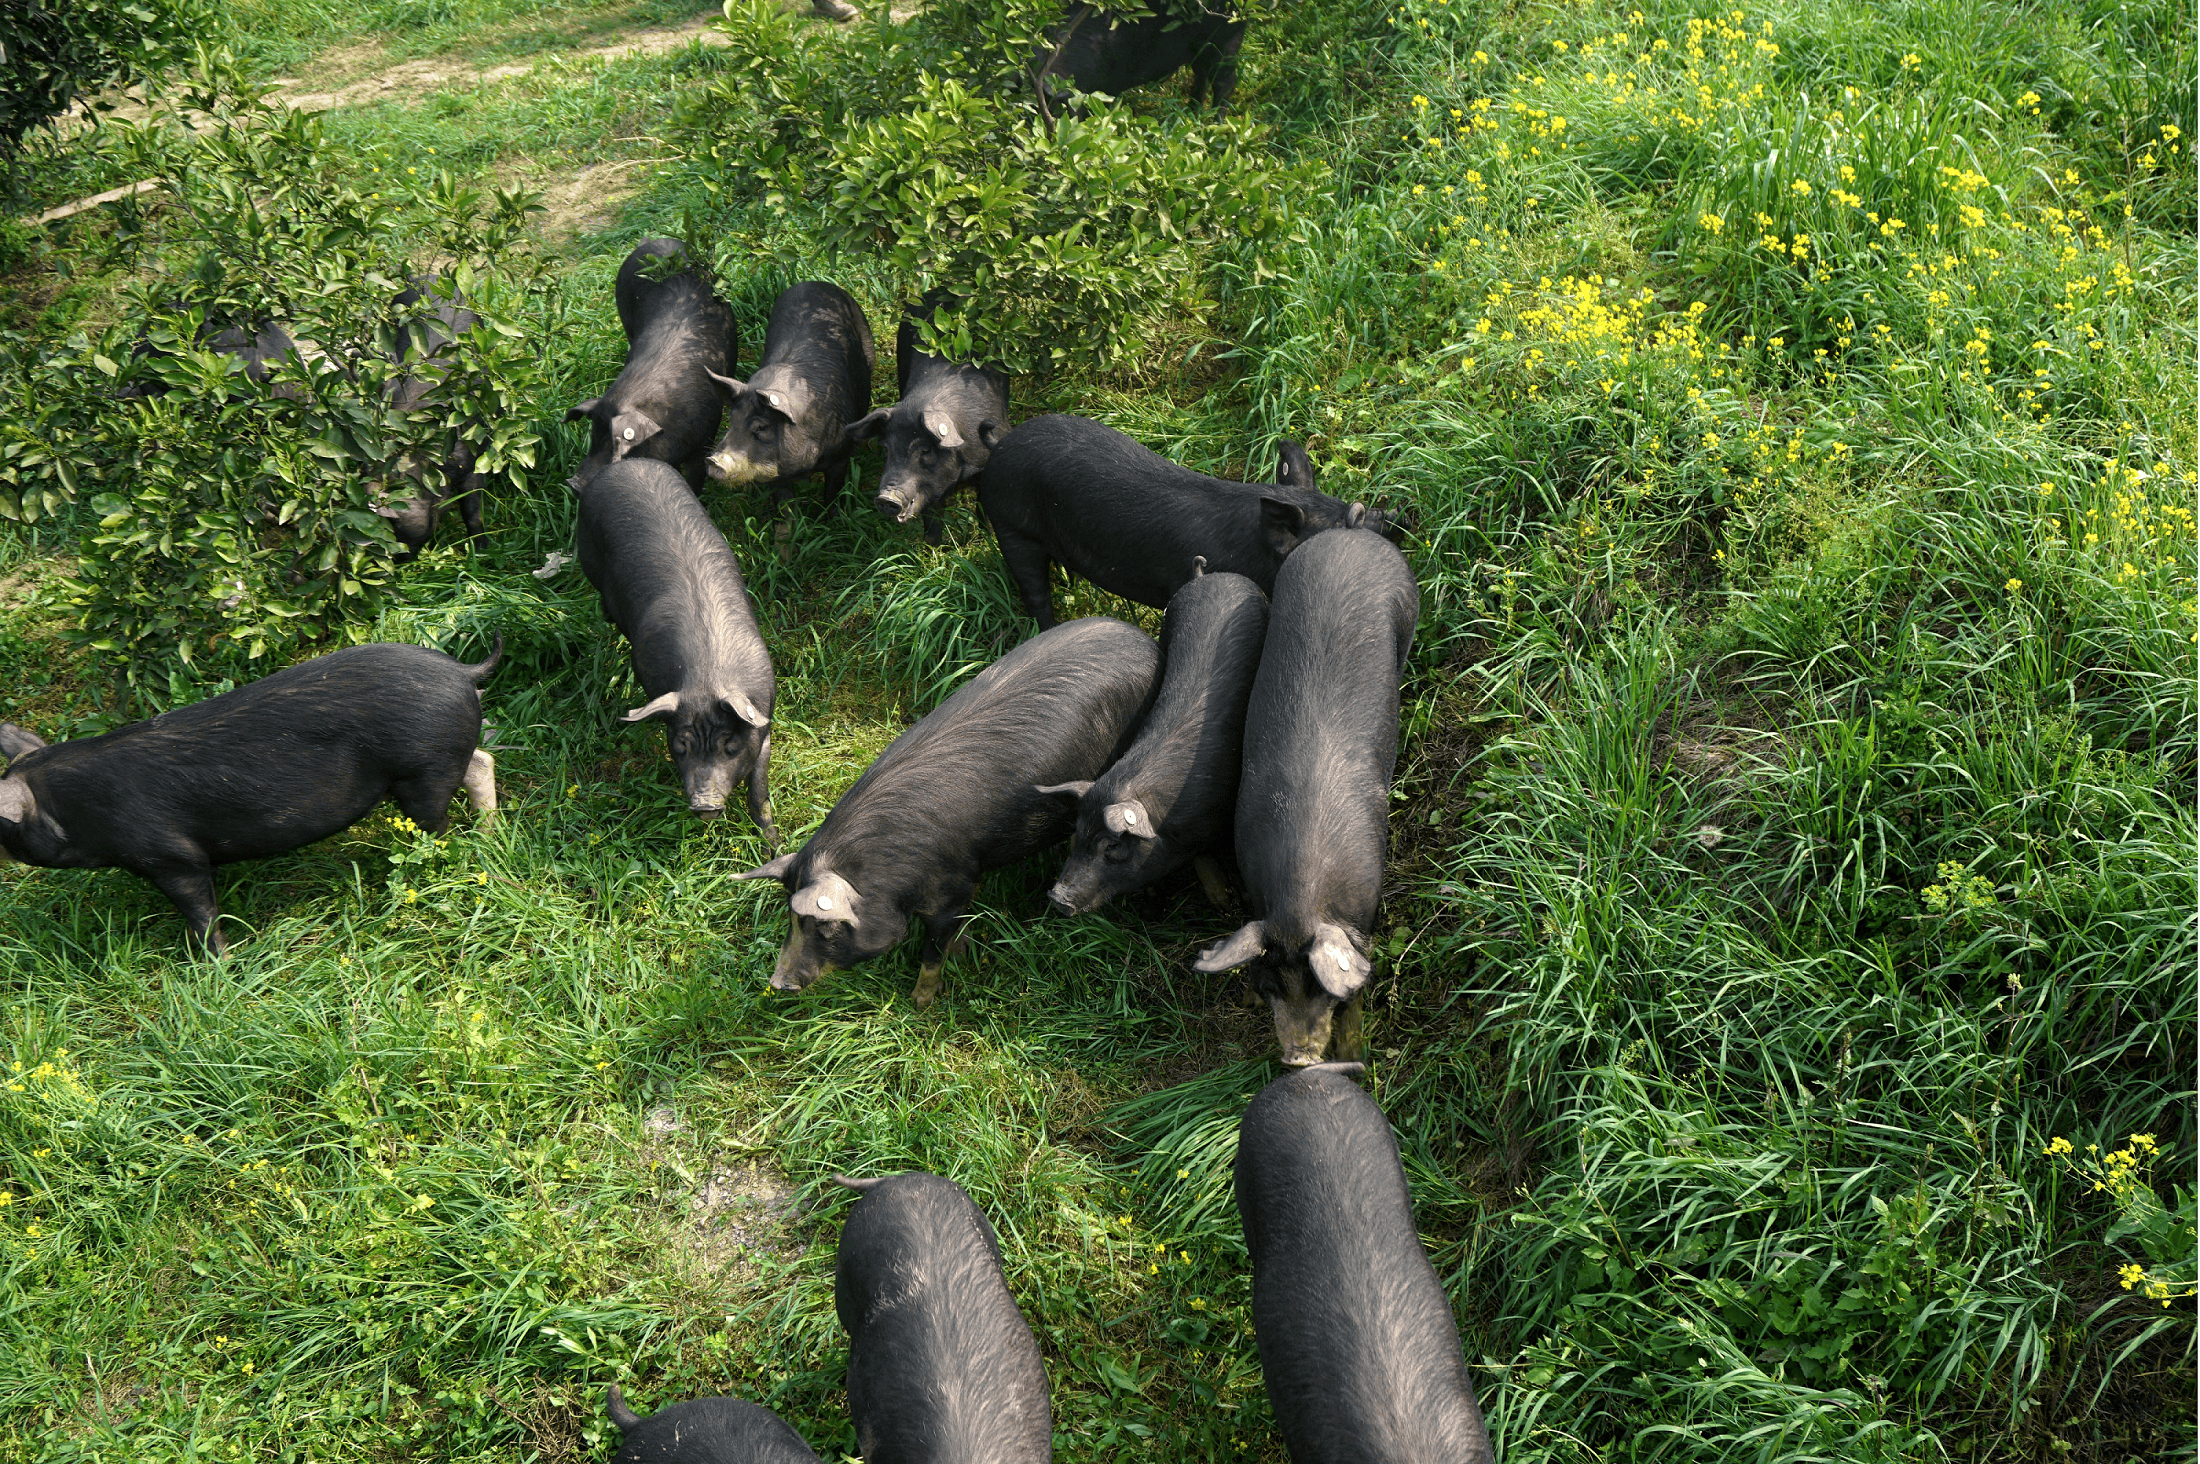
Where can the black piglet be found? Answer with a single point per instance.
(1357, 1341)
(942, 1368)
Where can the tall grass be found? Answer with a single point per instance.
(1794, 833)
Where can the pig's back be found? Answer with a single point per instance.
(1357, 1339)
(1054, 710)
(1321, 726)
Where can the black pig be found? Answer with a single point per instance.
(1103, 53)
(291, 758)
(942, 1367)
(953, 797)
(1321, 741)
(939, 435)
(1069, 491)
(258, 349)
(671, 585)
(707, 1431)
(423, 341)
(1357, 1342)
(790, 418)
(1168, 799)
(664, 404)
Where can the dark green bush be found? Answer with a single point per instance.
(52, 52)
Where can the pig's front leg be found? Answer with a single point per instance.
(943, 941)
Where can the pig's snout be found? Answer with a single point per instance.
(706, 810)
(1062, 900)
(721, 466)
(1076, 899)
(898, 503)
(1302, 1029)
(796, 967)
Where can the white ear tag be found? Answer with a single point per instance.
(629, 434)
(1130, 815)
(824, 902)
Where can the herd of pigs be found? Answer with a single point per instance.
(1261, 731)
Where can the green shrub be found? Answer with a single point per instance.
(234, 519)
(54, 51)
(1058, 237)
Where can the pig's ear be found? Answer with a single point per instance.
(742, 707)
(990, 433)
(1294, 469)
(584, 411)
(1355, 515)
(866, 428)
(630, 430)
(1072, 790)
(942, 426)
(790, 402)
(1129, 818)
(1239, 948)
(1336, 962)
(828, 898)
(733, 388)
(660, 706)
(777, 869)
(14, 741)
(1282, 524)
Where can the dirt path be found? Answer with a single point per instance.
(352, 76)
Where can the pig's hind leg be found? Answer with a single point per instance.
(1026, 559)
(191, 891)
(425, 797)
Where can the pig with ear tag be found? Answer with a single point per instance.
(1067, 490)
(957, 795)
(706, 1431)
(790, 418)
(941, 433)
(664, 404)
(1167, 801)
(1313, 805)
(670, 584)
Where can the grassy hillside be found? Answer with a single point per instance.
(1794, 836)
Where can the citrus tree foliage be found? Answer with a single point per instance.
(230, 518)
(1053, 231)
(53, 51)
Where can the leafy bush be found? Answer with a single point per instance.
(1056, 237)
(237, 518)
(52, 53)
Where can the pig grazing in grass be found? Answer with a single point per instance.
(1068, 491)
(673, 588)
(1313, 805)
(706, 1431)
(939, 435)
(957, 795)
(790, 418)
(290, 759)
(1357, 1342)
(664, 404)
(1167, 801)
(423, 346)
(942, 1367)
(1103, 53)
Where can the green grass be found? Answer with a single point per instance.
(1795, 827)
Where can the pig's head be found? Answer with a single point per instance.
(829, 926)
(716, 739)
(1116, 847)
(21, 824)
(613, 433)
(927, 456)
(768, 431)
(1305, 979)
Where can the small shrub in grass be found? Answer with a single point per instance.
(234, 519)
